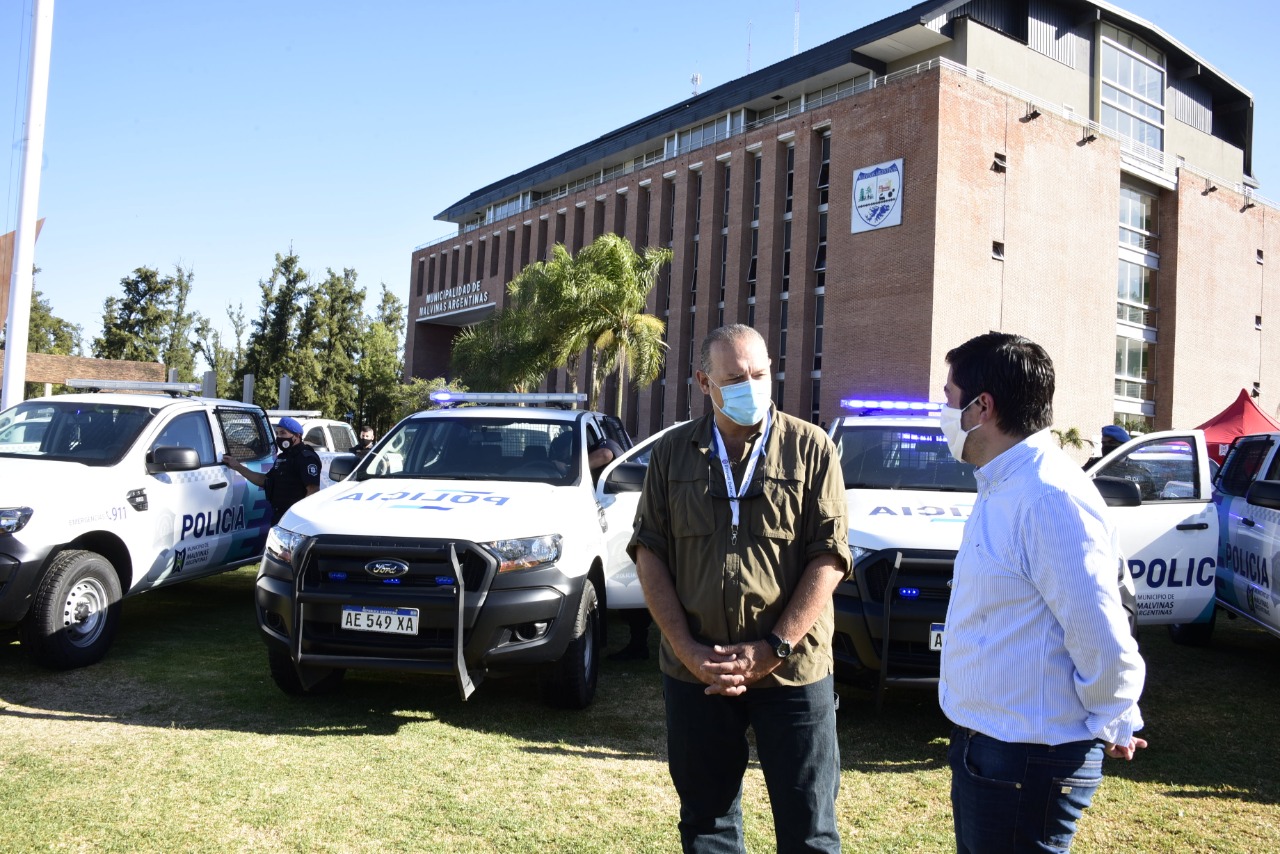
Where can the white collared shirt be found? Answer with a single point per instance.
(1037, 646)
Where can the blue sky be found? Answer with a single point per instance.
(216, 134)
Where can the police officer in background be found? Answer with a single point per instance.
(365, 445)
(295, 475)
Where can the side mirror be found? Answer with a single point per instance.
(341, 466)
(1264, 493)
(169, 458)
(627, 477)
(1118, 491)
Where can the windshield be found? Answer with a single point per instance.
(881, 456)
(89, 433)
(477, 449)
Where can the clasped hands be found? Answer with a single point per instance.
(730, 668)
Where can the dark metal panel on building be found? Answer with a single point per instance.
(1050, 31)
(1192, 104)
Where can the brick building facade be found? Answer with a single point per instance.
(1020, 140)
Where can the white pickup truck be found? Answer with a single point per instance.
(470, 541)
(1247, 500)
(107, 495)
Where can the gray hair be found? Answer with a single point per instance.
(726, 334)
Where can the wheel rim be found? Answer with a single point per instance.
(84, 612)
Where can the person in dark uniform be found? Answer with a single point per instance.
(295, 475)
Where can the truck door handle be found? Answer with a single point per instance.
(1193, 526)
(1246, 520)
(221, 485)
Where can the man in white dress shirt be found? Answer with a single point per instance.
(1040, 675)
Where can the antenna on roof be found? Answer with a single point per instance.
(795, 36)
(696, 80)
(748, 47)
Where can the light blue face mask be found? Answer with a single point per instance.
(746, 402)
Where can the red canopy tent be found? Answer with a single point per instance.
(1241, 418)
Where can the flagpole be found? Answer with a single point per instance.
(24, 252)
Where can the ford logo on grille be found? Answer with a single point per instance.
(386, 568)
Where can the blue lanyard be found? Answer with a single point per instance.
(736, 492)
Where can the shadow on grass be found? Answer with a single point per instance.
(191, 658)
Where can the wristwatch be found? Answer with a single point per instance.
(781, 648)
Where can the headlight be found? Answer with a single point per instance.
(525, 553)
(14, 519)
(282, 543)
(858, 552)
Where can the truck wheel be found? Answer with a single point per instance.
(286, 677)
(570, 683)
(1193, 634)
(75, 613)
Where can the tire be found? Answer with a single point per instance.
(1193, 634)
(75, 614)
(287, 679)
(570, 683)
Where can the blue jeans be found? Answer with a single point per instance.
(1019, 797)
(707, 753)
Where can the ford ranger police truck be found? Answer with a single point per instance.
(105, 495)
(1247, 501)
(908, 500)
(469, 542)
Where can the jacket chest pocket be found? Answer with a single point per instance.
(691, 507)
(778, 514)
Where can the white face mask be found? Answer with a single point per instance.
(951, 429)
(746, 402)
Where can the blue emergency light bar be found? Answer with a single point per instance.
(498, 397)
(892, 405)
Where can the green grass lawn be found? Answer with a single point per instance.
(179, 741)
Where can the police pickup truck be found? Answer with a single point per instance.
(104, 495)
(1247, 500)
(470, 541)
(908, 499)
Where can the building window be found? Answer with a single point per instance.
(1132, 95)
(755, 192)
(824, 170)
(724, 266)
(1135, 286)
(751, 314)
(786, 256)
(724, 213)
(642, 217)
(815, 395)
(820, 256)
(1133, 360)
(560, 227)
(693, 280)
(791, 177)
(755, 257)
(697, 204)
(494, 255)
(782, 333)
(421, 272)
(480, 247)
(819, 310)
(1139, 223)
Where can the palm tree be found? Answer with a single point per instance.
(626, 340)
(558, 292)
(505, 351)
